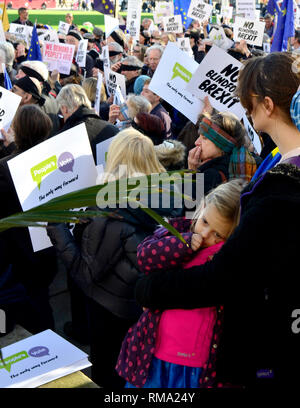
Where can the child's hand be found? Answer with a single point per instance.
(196, 241)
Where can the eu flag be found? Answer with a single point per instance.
(285, 23)
(34, 53)
(104, 6)
(7, 81)
(182, 7)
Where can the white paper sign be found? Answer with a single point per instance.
(57, 166)
(49, 35)
(40, 359)
(98, 93)
(111, 24)
(252, 134)
(246, 7)
(216, 77)
(133, 22)
(9, 103)
(63, 27)
(218, 37)
(226, 12)
(2, 35)
(23, 32)
(162, 9)
(172, 24)
(199, 10)
(58, 56)
(104, 56)
(185, 45)
(173, 72)
(101, 153)
(112, 80)
(250, 31)
(81, 53)
(297, 17)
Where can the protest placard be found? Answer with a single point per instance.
(81, 53)
(57, 166)
(9, 103)
(104, 56)
(111, 24)
(133, 22)
(49, 35)
(249, 30)
(172, 24)
(58, 56)
(297, 16)
(112, 80)
(226, 12)
(173, 72)
(185, 45)
(246, 8)
(162, 9)
(2, 35)
(199, 10)
(98, 93)
(218, 37)
(216, 77)
(252, 134)
(63, 27)
(23, 32)
(101, 154)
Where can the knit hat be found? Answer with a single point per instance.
(98, 32)
(75, 34)
(139, 84)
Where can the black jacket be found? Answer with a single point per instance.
(255, 276)
(98, 130)
(102, 259)
(27, 22)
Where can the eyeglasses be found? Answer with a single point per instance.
(136, 51)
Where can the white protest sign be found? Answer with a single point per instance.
(98, 93)
(297, 16)
(216, 77)
(162, 9)
(118, 97)
(101, 153)
(57, 166)
(250, 31)
(81, 53)
(2, 35)
(172, 24)
(9, 103)
(58, 56)
(246, 7)
(23, 32)
(185, 45)
(49, 35)
(199, 10)
(226, 12)
(63, 27)
(257, 15)
(104, 56)
(173, 72)
(252, 134)
(111, 24)
(133, 22)
(218, 37)
(112, 80)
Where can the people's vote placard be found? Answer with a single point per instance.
(216, 77)
(173, 72)
(58, 56)
(57, 166)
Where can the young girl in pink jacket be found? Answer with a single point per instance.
(176, 348)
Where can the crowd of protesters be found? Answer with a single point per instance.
(158, 313)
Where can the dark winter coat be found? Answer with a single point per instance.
(255, 276)
(98, 130)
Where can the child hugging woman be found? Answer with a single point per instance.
(175, 348)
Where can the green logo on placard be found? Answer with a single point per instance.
(183, 73)
(42, 169)
(15, 358)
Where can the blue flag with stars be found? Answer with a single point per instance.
(182, 7)
(104, 6)
(34, 53)
(7, 81)
(285, 23)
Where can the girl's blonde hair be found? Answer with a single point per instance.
(226, 199)
(134, 152)
(90, 87)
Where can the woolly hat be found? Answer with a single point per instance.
(139, 84)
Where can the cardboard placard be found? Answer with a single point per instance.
(98, 93)
(162, 9)
(81, 53)
(23, 32)
(49, 35)
(218, 37)
(246, 8)
(199, 10)
(172, 24)
(252, 135)
(112, 80)
(249, 30)
(173, 72)
(216, 77)
(58, 56)
(185, 45)
(63, 28)
(9, 103)
(133, 22)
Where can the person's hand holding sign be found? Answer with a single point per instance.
(114, 113)
(7, 137)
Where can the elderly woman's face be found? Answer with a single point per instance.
(208, 149)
